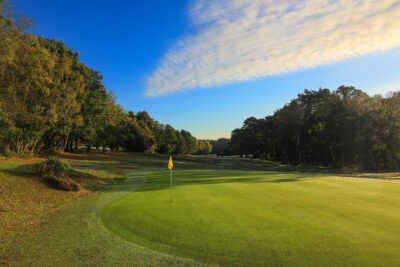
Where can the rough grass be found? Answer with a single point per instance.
(308, 216)
(24, 202)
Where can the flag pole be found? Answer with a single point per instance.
(170, 166)
(171, 185)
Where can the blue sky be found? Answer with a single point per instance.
(206, 66)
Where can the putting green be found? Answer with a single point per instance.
(262, 218)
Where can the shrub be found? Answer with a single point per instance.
(54, 172)
(7, 152)
(64, 183)
(52, 167)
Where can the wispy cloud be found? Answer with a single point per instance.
(239, 40)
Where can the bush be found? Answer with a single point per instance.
(52, 167)
(54, 172)
(64, 183)
(7, 152)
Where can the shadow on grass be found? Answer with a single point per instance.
(210, 171)
(135, 160)
(21, 170)
(161, 180)
(89, 181)
(241, 171)
(203, 170)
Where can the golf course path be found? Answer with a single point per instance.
(76, 236)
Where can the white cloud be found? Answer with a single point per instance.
(239, 40)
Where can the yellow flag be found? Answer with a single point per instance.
(170, 164)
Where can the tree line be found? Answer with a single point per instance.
(51, 100)
(345, 127)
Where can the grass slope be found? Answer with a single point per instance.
(24, 203)
(70, 232)
(263, 218)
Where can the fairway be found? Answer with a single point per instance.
(262, 218)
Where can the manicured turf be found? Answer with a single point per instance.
(262, 218)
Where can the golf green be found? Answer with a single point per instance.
(262, 218)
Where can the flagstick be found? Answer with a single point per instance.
(171, 186)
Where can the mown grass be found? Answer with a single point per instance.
(225, 211)
(244, 218)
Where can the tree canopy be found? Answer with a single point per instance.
(345, 127)
(51, 100)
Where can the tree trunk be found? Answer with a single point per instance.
(332, 156)
(385, 163)
(66, 141)
(33, 148)
(25, 148)
(274, 151)
(298, 148)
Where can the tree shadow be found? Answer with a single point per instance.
(21, 170)
(90, 181)
(161, 180)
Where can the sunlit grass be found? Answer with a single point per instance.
(228, 212)
(262, 218)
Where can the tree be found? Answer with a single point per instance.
(341, 127)
(220, 146)
(204, 147)
(50, 100)
(180, 143)
(191, 144)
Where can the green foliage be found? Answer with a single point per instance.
(54, 172)
(180, 143)
(50, 100)
(7, 152)
(339, 128)
(220, 146)
(190, 144)
(204, 147)
(52, 167)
